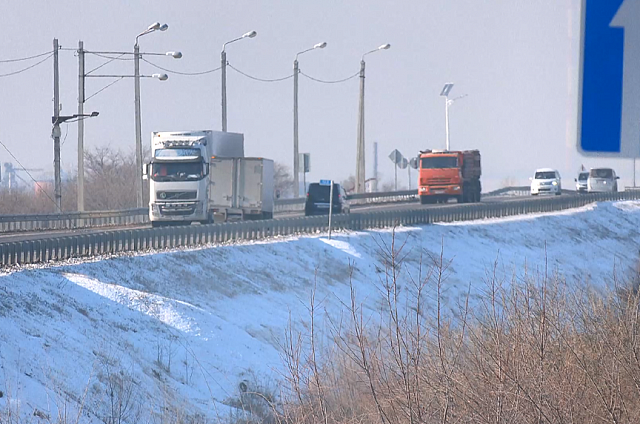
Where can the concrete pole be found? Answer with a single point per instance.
(56, 128)
(374, 187)
(360, 163)
(223, 66)
(81, 95)
(296, 159)
(446, 122)
(395, 185)
(138, 119)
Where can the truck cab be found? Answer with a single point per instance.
(449, 174)
(177, 177)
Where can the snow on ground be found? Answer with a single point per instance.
(185, 328)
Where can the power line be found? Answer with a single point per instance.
(28, 173)
(181, 73)
(105, 63)
(260, 79)
(27, 68)
(331, 82)
(104, 88)
(25, 58)
(104, 56)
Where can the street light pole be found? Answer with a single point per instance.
(446, 124)
(81, 97)
(56, 129)
(138, 119)
(448, 102)
(138, 122)
(360, 153)
(296, 155)
(360, 162)
(223, 68)
(296, 159)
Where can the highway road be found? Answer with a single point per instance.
(38, 235)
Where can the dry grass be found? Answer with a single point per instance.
(531, 350)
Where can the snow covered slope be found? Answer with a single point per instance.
(183, 329)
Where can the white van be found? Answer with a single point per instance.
(602, 180)
(546, 180)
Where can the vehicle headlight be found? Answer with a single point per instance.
(555, 183)
(456, 187)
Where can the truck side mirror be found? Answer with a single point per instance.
(205, 169)
(145, 171)
(277, 194)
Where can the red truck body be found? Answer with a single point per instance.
(449, 174)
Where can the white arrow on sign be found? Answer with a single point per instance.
(628, 17)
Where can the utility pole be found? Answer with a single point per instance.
(56, 128)
(360, 173)
(446, 123)
(81, 97)
(375, 167)
(296, 159)
(223, 67)
(136, 74)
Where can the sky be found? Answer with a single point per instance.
(517, 60)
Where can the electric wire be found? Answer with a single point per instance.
(104, 64)
(259, 79)
(181, 73)
(103, 88)
(104, 56)
(28, 173)
(330, 82)
(27, 68)
(25, 58)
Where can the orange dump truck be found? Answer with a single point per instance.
(447, 174)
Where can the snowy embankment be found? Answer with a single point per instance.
(184, 329)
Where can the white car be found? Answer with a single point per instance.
(602, 180)
(546, 180)
(581, 182)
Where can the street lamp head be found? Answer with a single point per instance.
(163, 27)
(94, 114)
(154, 26)
(161, 77)
(382, 47)
(250, 34)
(320, 45)
(175, 55)
(446, 89)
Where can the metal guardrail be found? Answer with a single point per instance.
(77, 220)
(118, 241)
(72, 220)
(297, 205)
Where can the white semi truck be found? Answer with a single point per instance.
(183, 189)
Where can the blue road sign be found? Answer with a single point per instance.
(609, 116)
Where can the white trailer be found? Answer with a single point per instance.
(241, 188)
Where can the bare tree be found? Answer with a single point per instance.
(282, 181)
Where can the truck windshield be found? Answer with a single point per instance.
(176, 171)
(439, 162)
